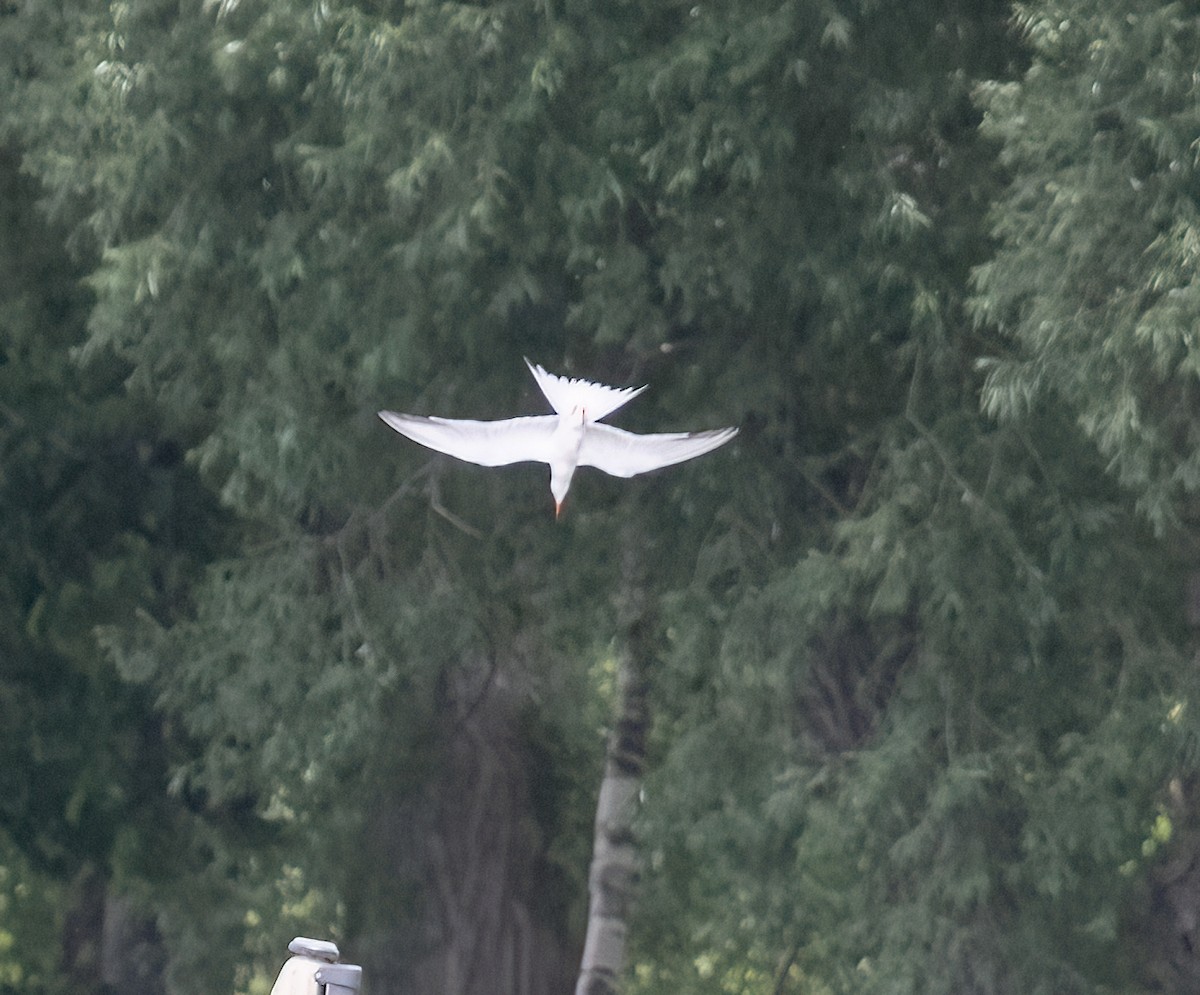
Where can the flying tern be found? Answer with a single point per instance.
(569, 438)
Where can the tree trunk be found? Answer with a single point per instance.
(107, 945)
(456, 892)
(613, 876)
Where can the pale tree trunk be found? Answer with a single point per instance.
(612, 879)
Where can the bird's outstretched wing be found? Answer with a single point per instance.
(568, 395)
(624, 454)
(488, 443)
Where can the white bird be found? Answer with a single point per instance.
(570, 438)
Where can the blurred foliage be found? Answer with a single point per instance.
(1100, 138)
(30, 912)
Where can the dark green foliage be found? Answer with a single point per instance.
(1093, 278)
(923, 706)
(99, 518)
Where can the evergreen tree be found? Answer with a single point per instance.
(98, 518)
(916, 727)
(1094, 290)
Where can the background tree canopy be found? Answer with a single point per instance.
(924, 691)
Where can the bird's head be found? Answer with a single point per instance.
(559, 485)
(559, 500)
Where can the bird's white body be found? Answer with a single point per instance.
(570, 438)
